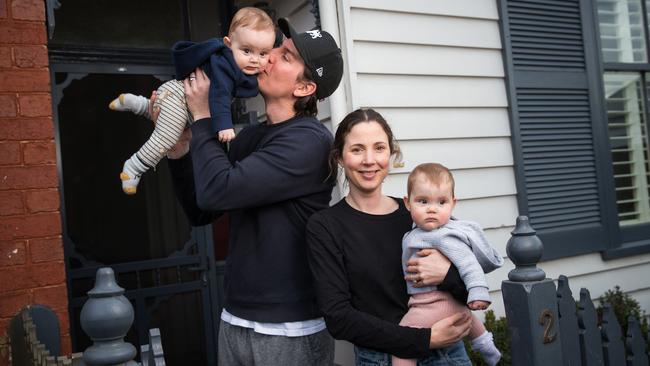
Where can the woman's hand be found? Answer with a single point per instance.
(450, 330)
(430, 269)
(197, 86)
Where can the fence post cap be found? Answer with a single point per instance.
(522, 227)
(105, 284)
(525, 249)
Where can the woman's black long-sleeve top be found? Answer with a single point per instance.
(355, 260)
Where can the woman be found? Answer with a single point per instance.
(355, 254)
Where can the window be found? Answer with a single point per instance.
(622, 32)
(577, 77)
(626, 113)
(624, 52)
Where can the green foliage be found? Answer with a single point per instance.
(624, 305)
(499, 329)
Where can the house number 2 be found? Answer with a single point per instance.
(548, 321)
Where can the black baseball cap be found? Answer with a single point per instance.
(321, 56)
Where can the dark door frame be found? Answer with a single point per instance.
(196, 256)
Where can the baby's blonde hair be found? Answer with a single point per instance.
(251, 17)
(434, 172)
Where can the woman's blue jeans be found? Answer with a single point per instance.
(452, 355)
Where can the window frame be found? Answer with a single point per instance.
(615, 241)
(632, 239)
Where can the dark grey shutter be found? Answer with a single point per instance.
(558, 127)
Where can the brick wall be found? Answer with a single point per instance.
(31, 250)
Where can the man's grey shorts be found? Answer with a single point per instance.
(242, 346)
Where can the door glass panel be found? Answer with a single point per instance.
(104, 224)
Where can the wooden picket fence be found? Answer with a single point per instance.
(585, 343)
(547, 327)
(37, 354)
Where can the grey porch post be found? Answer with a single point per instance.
(530, 302)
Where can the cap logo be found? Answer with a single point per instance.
(319, 71)
(314, 34)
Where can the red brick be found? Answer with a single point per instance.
(66, 344)
(39, 201)
(5, 56)
(35, 105)
(11, 203)
(46, 249)
(12, 302)
(28, 9)
(3, 9)
(31, 226)
(25, 81)
(12, 253)
(29, 277)
(37, 176)
(10, 153)
(42, 152)
(55, 297)
(22, 33)
(64, 321)
(31, 56)
(26, 128)
(8, 105)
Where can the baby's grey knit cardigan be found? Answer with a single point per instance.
(466, 246)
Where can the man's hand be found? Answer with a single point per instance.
(154, 111)
(197, 86)
(450, 330)
(182, 146)
(430, 269)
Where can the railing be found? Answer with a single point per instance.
(544, 323)
(106, 317)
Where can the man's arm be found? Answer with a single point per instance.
(183, 179)
(292, 164)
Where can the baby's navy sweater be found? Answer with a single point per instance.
(227, 81)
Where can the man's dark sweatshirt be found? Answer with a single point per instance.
(270, 182)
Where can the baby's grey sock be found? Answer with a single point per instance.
(134, 103)
(131, 172)
(484, 344)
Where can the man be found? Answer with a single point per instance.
(272, 179)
